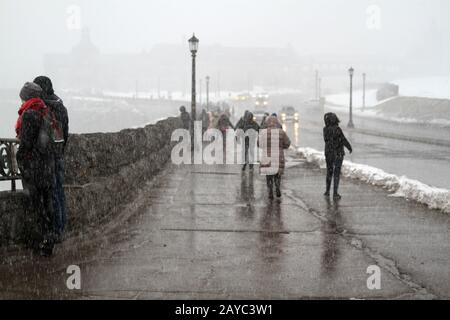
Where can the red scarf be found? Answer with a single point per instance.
(34, 104)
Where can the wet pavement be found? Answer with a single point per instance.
(207, 232)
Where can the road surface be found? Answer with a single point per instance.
(208, 232)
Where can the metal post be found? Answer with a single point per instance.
(200, 93)
(207, 93)
(350, 122)
(317, 85)
(320, 88)
(193, 94)
(364, 92)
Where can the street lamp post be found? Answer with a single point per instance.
(200, 93)
(350, 122)
(207, 93)
(193, 47)
(364, 92)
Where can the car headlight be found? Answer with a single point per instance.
(283, 116)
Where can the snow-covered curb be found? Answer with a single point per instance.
(434, 198)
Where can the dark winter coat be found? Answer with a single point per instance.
(335, 141)
(247, 123)
(223, 124)
(37, 168)
(205, 120)
(185, 119)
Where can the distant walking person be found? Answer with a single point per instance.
(36, 163)
(224, 124)
(335, 142)
(248, 123)
(185, 118)
(273, 171)
(56, 106)
(205, 120)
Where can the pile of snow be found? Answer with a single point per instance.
(343, 99)
(427, 87)
(434, 198)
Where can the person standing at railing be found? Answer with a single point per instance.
(56, 105)
(36, 163)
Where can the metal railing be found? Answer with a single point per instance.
(9, 170)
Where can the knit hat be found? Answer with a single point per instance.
(30, 90)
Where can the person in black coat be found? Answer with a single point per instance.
(335, 141)
(37, 170)
(248, 123)
(56, 105)
(185, 118)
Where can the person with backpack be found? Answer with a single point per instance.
(61, 121)
(36, 163)
(335, 141)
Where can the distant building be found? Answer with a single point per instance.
(168, 67)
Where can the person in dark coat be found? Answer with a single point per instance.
(37, 169)
(240, 123)
(205, 120)
(262, 125)
(335, 141)
(56, 105)
(185, 118)
(224, 124)
(248, 122)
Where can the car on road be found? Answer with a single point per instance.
(288, 113)
(261, 101)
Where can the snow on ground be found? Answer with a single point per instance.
(421, 112)
(343, 99)
(434, 198)
(429, 87)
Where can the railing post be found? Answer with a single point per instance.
(9, 169)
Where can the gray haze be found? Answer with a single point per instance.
(408, 30)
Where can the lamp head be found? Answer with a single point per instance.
(193, 44)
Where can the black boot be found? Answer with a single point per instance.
(243, 168)
(328, 183)
(336, 194)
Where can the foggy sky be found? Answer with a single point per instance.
(29, 29)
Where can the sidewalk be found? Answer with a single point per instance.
(207, 232)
